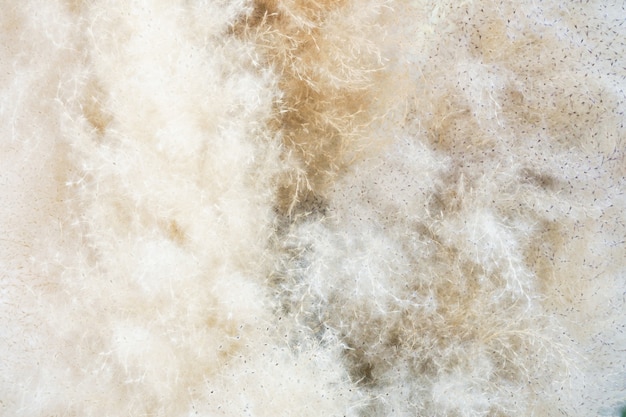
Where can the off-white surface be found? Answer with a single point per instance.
(312, 208)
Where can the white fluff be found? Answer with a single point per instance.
(312, 208)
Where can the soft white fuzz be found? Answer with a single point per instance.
(312, 208)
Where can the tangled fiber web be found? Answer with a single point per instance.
(312, 208)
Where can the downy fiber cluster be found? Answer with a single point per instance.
(312, 208)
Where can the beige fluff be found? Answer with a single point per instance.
(312, 208)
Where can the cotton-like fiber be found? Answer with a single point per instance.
(312, 208)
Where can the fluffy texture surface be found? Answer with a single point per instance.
(312, 208)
